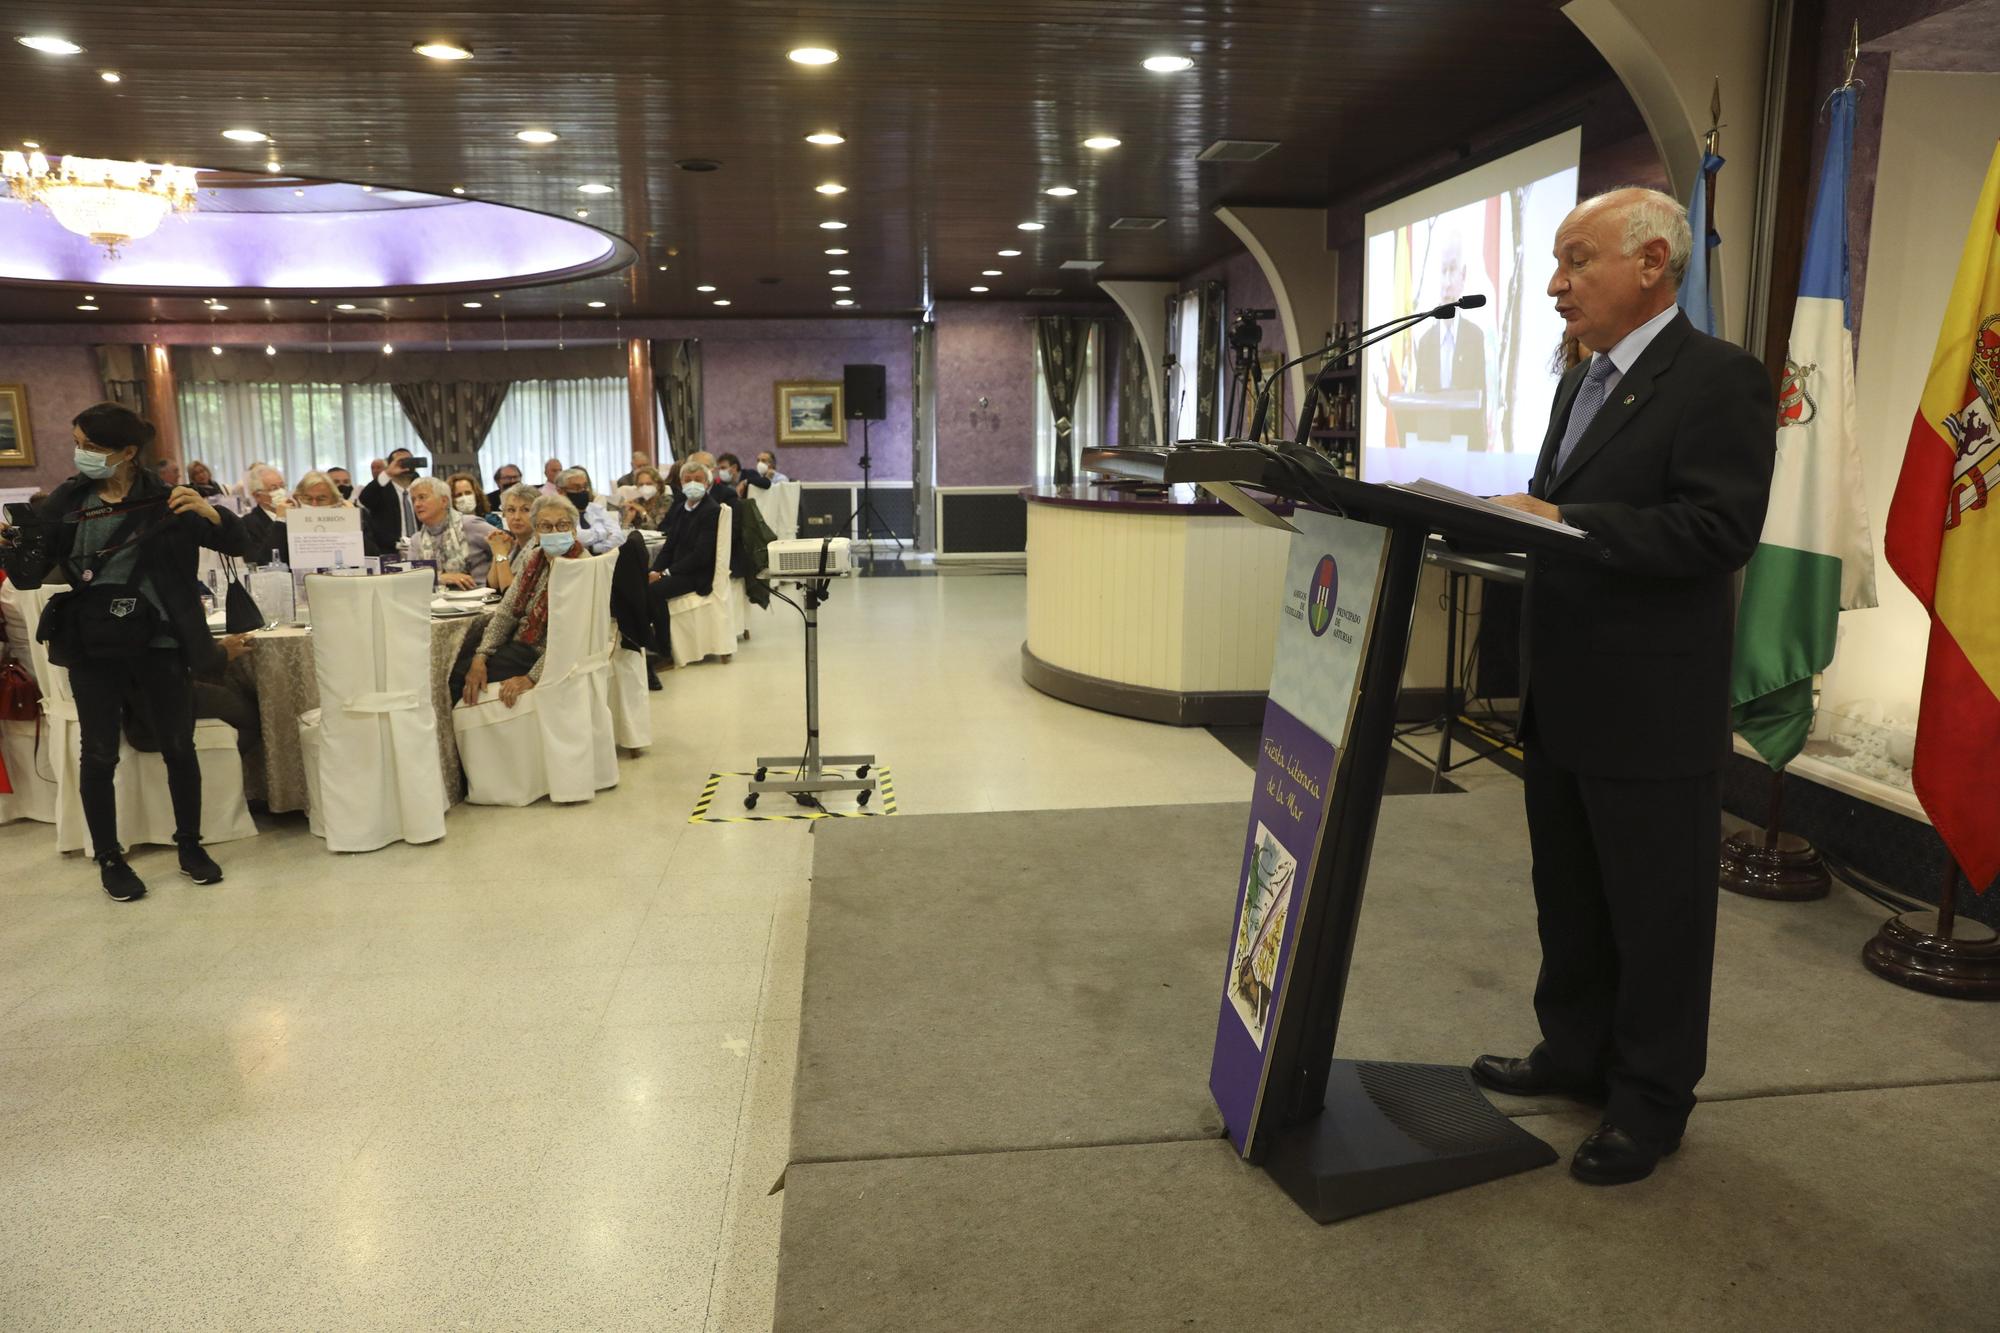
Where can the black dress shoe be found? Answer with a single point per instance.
(1610, 1156)
(1527, 1077)
(198, 865)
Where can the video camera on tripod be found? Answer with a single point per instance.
(1246, 337)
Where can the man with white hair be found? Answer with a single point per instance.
(1660, 449)
(595, 527)
(263, 526)
(685, 562)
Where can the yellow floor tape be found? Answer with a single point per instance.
(882, 803)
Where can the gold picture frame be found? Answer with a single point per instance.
(811, 412)
(17, 437)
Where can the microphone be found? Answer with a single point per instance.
(1346, 347)
(1470, 302)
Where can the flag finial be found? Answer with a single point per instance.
(1714, 135)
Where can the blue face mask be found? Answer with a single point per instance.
(93, 464)
(557, 543)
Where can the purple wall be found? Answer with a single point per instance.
(986, 350)
(743, 361)
(61, 382)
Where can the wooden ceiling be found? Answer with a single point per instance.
(958, 114)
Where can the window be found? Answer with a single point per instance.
(294, 427)
(585, 423)
(1087, 424)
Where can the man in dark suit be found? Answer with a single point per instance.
(685, 562)
(1660, 448)
(505, 477)
(1451, 353)
(386, 510)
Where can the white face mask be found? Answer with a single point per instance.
(465, 504)
(694, 490)
(647, 492)
(763, 468)
(279, 497)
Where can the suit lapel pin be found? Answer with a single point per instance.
(1631, 398)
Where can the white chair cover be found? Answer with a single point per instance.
(779, 503)
(704, 625)
(25, 745)
(739, 607)
(371, 748)
(631, 713)
(557, 740)
(145, 810)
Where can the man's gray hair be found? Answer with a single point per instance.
(525, 493)
(570, 474)
(1651, 215)
(691, 469)
(554, 503)
(431, 486)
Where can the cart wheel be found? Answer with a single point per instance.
(750, 801)
(862, 798)
(861, 772)
(805, 799)
(760, 775)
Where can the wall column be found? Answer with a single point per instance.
(1145, 307)
(639, 390)
(162, 406)
(1289, 244)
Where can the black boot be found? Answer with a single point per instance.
(118, 879)
(197, 864)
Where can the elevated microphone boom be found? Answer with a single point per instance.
(1347, 346)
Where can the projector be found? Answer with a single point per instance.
(808, 556)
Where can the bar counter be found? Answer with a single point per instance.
(1161, 605)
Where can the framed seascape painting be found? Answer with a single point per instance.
(17, 442)
(811, 412)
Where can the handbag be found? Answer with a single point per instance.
(240, 613)
(95, 621)
(20, 701)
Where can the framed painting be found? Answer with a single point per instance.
(812, 412)
(17, 441)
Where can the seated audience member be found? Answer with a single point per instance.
(458, 542)
(553, 470)
(595, 527)
(639, 460)
(169, 472)
(202, 480)
(264, 526)
(314, 491)
(766, 472)
(723, 494)
(513, 647)
(650, 502)
(246, 485)
(466, 497)
(728, 474)
(685, 562)
(511, 542)
(343, 484)
(505, 477)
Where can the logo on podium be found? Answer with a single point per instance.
(1320, 596)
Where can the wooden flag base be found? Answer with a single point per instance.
(1959, 958)
(1788, 868)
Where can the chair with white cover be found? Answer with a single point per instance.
(631, 712)
(779, 504)
(371, 747)
(739, 607)
(557, 740)
(702, 624)
(24, 746)
(145, 809)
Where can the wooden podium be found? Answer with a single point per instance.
(1345, 1137)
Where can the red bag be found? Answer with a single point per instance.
(20, 701)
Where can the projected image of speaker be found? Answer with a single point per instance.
(867, 392)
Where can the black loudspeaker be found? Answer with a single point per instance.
(867, 392)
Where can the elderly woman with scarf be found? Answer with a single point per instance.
(458, 542)
(516, 639)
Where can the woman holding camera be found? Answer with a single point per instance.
(131, 628)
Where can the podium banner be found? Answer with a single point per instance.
(1332, 577)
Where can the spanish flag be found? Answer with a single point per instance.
(1943, 541)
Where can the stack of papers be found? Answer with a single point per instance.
(1436, 490)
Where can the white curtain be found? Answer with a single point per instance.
(585, 423)
(1087, 427)
(294, 427)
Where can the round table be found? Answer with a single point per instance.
(280, 669)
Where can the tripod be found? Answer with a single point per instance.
(867, 516)
(1245, 382)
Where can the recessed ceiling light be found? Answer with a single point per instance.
(1101, 142)
(1061, 191)
(981, 289)
(989, 272)
(312, 300)
(837, 272)
(812, 55)
(595, 305)
(831, 187)
(298, 194)
(29, 143)
(583, 212)
(216, 350)
(367, 189)
(593, 187)
(388, 349)
(270, 350)
(217, 305)
(1028, 226)
(86, 307)
(722, 301)
(825, 138)
(843, 301)
(1168, 64)
(536, 136)
(1007, 254)
(345, 305)
(458, 189)
(274, 167)
(705, 288)
(471, 305)
(836, 251)
(843, 289)
(246, 136)
(443, 50)
(833, 226)
(50, 46)
(109, 75)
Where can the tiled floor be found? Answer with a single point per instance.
(535, 1076)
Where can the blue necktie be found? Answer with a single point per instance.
(1589, 398)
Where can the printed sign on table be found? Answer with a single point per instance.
(1331, 578)
(327, 538)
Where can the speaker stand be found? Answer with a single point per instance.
(867, 516)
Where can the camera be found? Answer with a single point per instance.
(29, 542)
(1246, 334)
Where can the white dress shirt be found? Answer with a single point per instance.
(1628, 348)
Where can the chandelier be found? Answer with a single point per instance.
(109, 201)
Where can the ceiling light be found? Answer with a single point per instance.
(1061, 191)
(722, 302)
(345, 305)
(825, 138)
(595, 305)
(1028, 226)
(812, 55)
(29, 143)
(471, 305)
(1168, 64)
(843, 289)
(831, 187)
(246, 136)
(110, 202)
(1007, 254)
(298, 194)
(583, 212)
(388, 349)
(274, 167)
(836, 251)
(536, 136)
(216, 350)
(843, 301)
(1101, 142)
(86, 307)
(836, 273)
(443, 50)
(270, 350)
(458, 189)
(109, 75)
(312, 301)
(593, 187)
(981, 289)
(833, 226)
(704, 288)
(50, 46)
(217, 305)
(367, 189)
(989, 273)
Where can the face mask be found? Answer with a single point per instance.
(464, 504)
(346, 490)
(694, 490)
(763, 468)
(557, 543)
(725, 476)
(278, 498)
(648, 492)
(94, 465)
(580, 499)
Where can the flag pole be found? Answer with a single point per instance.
(1935, 952)
(1780, 866)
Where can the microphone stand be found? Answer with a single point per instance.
(1340, 351)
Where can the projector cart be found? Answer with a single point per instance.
(810, 774)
